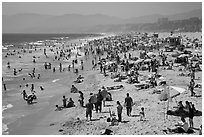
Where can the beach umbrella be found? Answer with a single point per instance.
(176, 91)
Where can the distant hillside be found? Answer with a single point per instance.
(72, 23)
(187, 25)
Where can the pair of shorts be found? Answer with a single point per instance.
(88, 113)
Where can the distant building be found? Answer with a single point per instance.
(162, 20)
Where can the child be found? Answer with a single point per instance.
(142, 114)
(58, 108)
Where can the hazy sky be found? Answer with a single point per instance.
(119, 9)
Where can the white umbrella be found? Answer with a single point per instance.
(176, 91)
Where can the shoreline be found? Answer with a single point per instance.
(73, 40)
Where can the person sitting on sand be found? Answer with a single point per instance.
(74, 89)
(80, 77)
(182, 127)
(180, 106)
(142, 114)
(34, 96)
(89, 108)
(30, 98)
(70, 103)
(58, 108)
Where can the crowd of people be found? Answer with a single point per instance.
(111, 56)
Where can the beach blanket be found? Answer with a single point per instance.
(142, 85)
(183, 113)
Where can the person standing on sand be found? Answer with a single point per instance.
(192, 84)
(4, 87)
(81, 98)
(73, 64)
(64, 101)
(119, 110)
(24, 95)
(60, 67)
(128, 104)
(89, 108)
(14, 72)
(32, 87)
(99, 101)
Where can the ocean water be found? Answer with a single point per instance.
(13, 106)
(21, 38)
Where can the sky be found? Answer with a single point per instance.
(118, 9)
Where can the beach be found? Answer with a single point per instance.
(50, 81)
(41, 118)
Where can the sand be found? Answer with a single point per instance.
(46, 121)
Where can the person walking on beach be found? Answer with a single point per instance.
(119, 110)
(4, 87)
(81, 98)
(192, 84)
(128, 104)
(32, 87)
(99, 101)
(89, 108)
(24, 95)
(60, 67)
